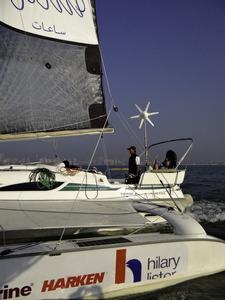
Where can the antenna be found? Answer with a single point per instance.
(144, 117)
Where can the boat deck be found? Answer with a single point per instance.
(72, 245)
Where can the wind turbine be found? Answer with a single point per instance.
(144, 117)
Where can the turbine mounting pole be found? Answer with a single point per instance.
(144, 117)
(146, 145)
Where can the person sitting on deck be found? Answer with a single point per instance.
(67, 169)
(170, 161)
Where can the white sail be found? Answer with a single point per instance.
(50, 69)
(64, 20)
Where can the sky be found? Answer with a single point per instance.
(168, 52)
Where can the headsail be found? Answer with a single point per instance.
(50, 69)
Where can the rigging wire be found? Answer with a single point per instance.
(120, 115)
(86, 188)
(82, 183)
(168, 192)
(105, 155)
(129, 129)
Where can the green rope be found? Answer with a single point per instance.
(43, 177)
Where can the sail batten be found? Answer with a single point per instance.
(49, 84)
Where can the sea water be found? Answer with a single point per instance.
(206, 184)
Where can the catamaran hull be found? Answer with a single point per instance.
(34, 219)
(111, 268)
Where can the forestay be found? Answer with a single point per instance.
(50, 69)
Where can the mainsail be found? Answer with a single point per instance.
(50, 69)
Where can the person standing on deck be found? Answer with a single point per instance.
(134, 166)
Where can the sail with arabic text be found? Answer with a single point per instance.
(50, 69)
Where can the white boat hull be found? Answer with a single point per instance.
(133, 265)
(30, 220)
(106, 267)
(82, 199)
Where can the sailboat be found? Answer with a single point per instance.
(44, 93)
(51, 86)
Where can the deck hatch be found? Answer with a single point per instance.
(103, 242)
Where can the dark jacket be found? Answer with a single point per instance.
(133, 168)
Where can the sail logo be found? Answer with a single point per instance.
(121, 264)
(71, 7)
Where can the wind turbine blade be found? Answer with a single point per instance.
(135, 117)
(147, 106)
(149, 121)
(142, 121)
(138, 108)
(153, 113)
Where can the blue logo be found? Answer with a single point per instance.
(121, 264)
(69, 6)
